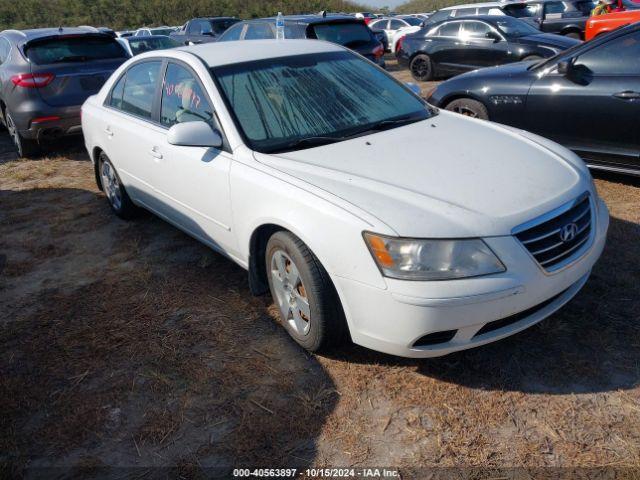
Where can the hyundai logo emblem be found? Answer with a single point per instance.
(568, 232)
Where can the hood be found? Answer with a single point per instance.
(548, 40)
(448, 176)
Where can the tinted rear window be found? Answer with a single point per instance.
(74, 49)
(346, 34)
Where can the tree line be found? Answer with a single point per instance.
(123, 14)
(417, 6)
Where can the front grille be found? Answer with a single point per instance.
(561, 236)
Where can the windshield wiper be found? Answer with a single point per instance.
(391, 123)
(307, 142)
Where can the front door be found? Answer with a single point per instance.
(595, 105)
(193, 182)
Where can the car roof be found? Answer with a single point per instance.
(310, 19)
(486, 18)
(225, 53)
(35, 33)
(141, 38)
(477, 5)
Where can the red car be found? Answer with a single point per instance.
(610, 21)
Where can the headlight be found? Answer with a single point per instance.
(413, 259)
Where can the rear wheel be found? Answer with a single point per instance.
(421, 67)
(573, 34)
(469, 108)
(301, 289)
(26, 148)
(117, 196)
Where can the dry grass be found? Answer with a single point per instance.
(131, 344)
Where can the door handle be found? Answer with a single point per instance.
(154, 153)
(627, 95)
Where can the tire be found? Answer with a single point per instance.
(117, 196)
(308, 304)
(469, 108)
(532, 58)
(421, 68)
(573, 34)
(26, 148)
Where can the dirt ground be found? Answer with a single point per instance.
(130, 344)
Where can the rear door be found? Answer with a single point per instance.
(448, 48)
(78, 66)
(595, 108)
(130, 131)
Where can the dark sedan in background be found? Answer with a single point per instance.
(46, 75)
(587, 98)
(344, 30)
(456, 46)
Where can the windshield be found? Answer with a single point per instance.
(345, 34)
(523, 10)
(512, 27)
(145, 44)
(279, 104)
(80, 48)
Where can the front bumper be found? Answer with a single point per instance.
(458, 314)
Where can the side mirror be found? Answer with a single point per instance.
(564, 67)
(494, 36)
(194, 134)
(414, 87)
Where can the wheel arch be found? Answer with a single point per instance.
(572, 29)
(458, 95)
(95, 157)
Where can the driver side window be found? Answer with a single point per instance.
(183, 100)
(617, 57)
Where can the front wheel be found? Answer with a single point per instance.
(421, 68)
(301, 289)
(469, 108)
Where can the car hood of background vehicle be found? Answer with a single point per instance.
(448, 176)
(548, 40)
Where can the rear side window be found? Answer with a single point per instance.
(554, 8)
(116, 93)
(222, 26)
(439, 16)
(183, 100)
(259, 31)
(465, 12)
(448, 30)
(345, 34)
(396, 24)
(5, 48)
(232, 33)
(140, 89)
(73, 49)
(523, 11)
(379, 24)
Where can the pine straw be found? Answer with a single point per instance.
(131, 344)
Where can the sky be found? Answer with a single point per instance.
(384, 3)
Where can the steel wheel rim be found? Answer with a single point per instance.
(420, 67)
(466, 111)
(290, 292)
(111, 185)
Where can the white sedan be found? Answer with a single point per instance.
(396, 28)
(367, 213)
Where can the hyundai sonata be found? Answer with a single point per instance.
(365, 212)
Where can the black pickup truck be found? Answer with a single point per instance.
(203, 30)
